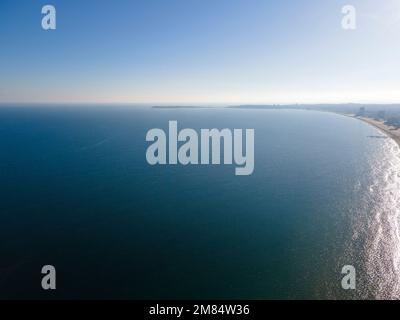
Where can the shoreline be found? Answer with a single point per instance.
(390, 131)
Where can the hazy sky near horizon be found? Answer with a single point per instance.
(200, 51)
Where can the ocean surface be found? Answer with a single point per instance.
(77, 193)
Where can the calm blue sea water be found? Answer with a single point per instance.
(77, 193)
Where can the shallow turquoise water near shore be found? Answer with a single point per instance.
(78, 193)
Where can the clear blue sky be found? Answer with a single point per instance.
(200, 51)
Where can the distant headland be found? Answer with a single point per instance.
(178, 107)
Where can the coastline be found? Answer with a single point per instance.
(390, 131)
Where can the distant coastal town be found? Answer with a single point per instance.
(386, 121)
(385, 117)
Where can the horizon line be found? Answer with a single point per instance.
(198, 103)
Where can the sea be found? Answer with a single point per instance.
(77, 193)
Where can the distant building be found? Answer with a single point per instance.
(381, 115)
(394, 121)
(361, 112)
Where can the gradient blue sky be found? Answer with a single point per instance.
(200, 51)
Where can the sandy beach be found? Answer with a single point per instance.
(391, 131)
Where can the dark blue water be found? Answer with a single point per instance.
(77, 193)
